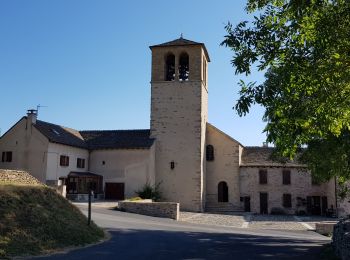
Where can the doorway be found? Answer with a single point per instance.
(222, 192)
(263, 203)
(114, 191)
(247, 204)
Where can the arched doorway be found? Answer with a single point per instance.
(222, 192)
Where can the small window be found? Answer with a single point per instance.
(170, 68)
(210, 152)
(286, 177)
(80, 163)
(314, 180)
(64, 160)
(287, 200)
(6, 156)
(184, 69)
(172, 165)
(263, 176)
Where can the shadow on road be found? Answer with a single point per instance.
(147, 244)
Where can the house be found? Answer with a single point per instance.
(195, 163)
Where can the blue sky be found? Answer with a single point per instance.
(89, 61)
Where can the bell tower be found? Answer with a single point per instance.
(179, 113)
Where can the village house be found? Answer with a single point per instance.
(195, 163)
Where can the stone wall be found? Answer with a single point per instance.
(300, 187)
(224, 167)
(341, 239)
(154, 209)
(17, 177)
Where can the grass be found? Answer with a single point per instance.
(34, 219)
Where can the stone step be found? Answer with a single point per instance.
(222, 207)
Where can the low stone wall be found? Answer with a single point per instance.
(17, 177)
(341, 239)
(325, 227)
(154, 209)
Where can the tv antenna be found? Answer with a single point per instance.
(38, 107)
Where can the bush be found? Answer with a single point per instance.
(277, 211)
(300, 213)
(150, 192)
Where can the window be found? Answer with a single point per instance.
(170, 67)
(6, 156)
(263, 176)
(184, 69)
(314, 180)
(210, 152)
(80, 163)
(286, 177)
(287, 200)
(64, 160)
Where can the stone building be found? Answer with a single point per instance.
(195, 163)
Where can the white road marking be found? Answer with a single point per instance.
(300, 221)
(246, 223)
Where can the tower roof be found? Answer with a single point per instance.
(181, 42)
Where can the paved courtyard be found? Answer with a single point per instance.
(238, 220)
(252, 221)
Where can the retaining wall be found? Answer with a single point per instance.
(341, 239)
(154, 209)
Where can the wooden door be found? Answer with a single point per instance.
(222, 192)
(114, 191)
(247, 204)
(264, 203)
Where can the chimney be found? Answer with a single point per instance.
(32, 115)
(265, 144)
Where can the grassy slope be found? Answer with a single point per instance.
(35, 219)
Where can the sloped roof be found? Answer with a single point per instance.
(96, 139)
(182, 42)
(262, 157)
(61, 135)
(118, 139)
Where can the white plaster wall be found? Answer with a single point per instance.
(28, 148)
(225, 166)
(54, 170)
(133, 167)
(300, 186)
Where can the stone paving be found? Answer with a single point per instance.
(252, 221)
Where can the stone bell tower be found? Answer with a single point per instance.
(179, 113)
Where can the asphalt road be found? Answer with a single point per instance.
(141, 237)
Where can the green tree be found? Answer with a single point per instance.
(303, 47)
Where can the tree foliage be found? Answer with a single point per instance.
(303, 46)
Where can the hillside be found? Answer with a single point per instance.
(34, 219)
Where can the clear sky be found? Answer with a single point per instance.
(89, 62)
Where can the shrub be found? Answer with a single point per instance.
(277, 211)
(150, 192)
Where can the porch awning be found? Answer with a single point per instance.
(83, 174)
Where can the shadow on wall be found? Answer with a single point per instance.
(150, 244)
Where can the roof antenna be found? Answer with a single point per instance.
(38, 107)
(181, 36)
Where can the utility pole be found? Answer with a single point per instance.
(89, 208)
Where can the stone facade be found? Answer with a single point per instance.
(224, 167)
(172, 153)
(178, 123)
(155, 209)
(300, 187)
